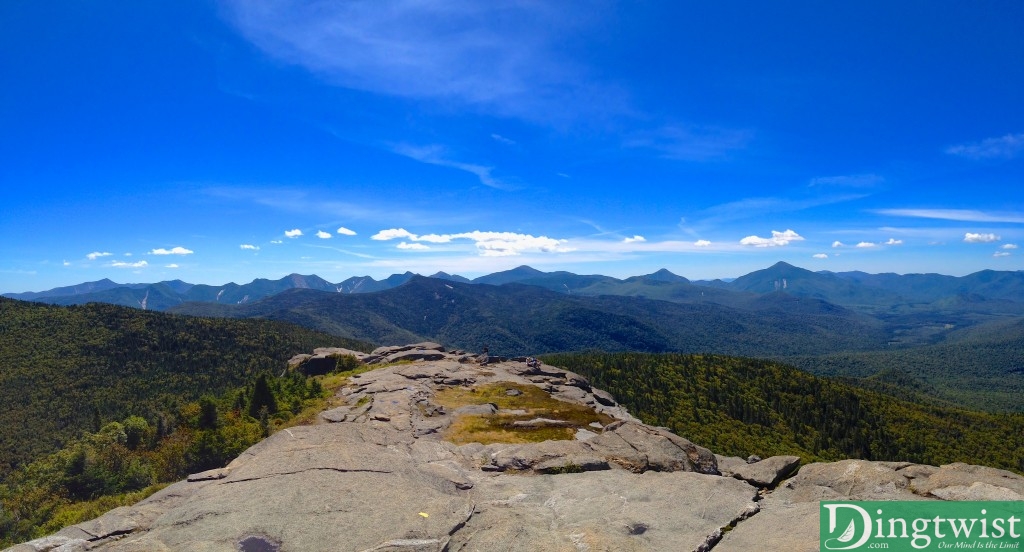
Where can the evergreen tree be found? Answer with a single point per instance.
(262, 397)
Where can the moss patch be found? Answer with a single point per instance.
(498, 428)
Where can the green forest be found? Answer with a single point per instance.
(65, 370)
(741, 406)
(108, 404)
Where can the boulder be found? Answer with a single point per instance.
(768, 472)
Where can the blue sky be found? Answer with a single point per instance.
(225, 141)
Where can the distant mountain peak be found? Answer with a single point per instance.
(664, 275)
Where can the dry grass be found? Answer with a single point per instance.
(498, 428)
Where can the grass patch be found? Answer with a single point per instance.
(498, 428)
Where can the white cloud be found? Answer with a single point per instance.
(250, 247)
(966, 215)
(849, 181)
(323, 235)
(391, 234)
(971, 237)
(172, 265)
(1009, 246)
(173, 251)
(504, 58)
(838, 243)
(702, 243)
(690, 143)
(122, 264)
(865, 245)
(894, 241)
(503, 140)
(1001, 254)
(1008, 146)
(345, 231)
(276, 242)
(820, 255)
(293, 233)
(634, 239)
(488, 244)
(97, 254)
(436, 155)
(778, 239)
(412, 246)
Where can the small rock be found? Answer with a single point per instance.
(753, 459)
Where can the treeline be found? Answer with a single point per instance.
(123, 461)
(739, 406)
(65, 370)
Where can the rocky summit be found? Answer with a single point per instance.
(448, 451)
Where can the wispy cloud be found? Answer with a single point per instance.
(634, 239)
(435, 155)
(820, 255)
(501, 57)
(97, 254)
(488, 244)
(1008, 146)
(250, 247)
(778, 239)
(1001, 254)
(971, 237)
(838, 244)
(848, 181)
(323, 235)
(755, 207)
(702, 243)
(173, 251)
(293, 233)
(1009, 246)
(172, 265)
(503, 140)
(866, 245)
(345, 231)
(691, 143)
(963, 215)
(894, 241)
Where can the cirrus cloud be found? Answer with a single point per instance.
(1005, 146)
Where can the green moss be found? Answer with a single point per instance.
(498, 428)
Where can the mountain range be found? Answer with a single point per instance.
(887, 293)
(945, 338)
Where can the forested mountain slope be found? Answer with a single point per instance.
(68, 369)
